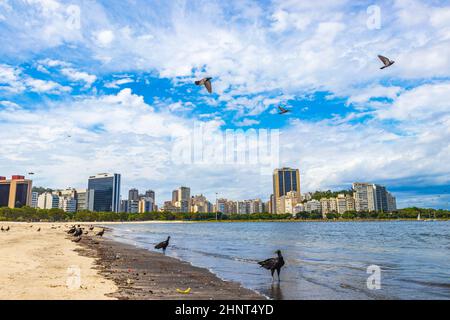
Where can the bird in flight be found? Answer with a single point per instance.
(386, 61)
(283, 110)
(163, 245)
(205, 82)
(273, 264)
(30, 173)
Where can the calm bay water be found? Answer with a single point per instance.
(323, 260)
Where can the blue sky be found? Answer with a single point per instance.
(117, 77)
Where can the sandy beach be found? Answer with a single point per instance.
(47, 265)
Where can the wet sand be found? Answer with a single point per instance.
(142, 274)
(39, 265)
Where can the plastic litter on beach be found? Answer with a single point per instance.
(187, 291)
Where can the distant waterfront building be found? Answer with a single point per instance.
(372, 197)
(82, 199)
(16, 192)
(104, 192)
(146, 205)
(150, 194)
(328, 206)
(34, 199)
(284, 181)
(170, 207)
(199, 204)
(300, 207)
(345, 203)
(174, 197)
(364, 196)
(184, 199)
(392, 202)
(67, 199)
(133, 194)
(313, 206)
(48, 200)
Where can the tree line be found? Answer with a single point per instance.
(55, 215)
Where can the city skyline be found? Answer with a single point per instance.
(81, 95)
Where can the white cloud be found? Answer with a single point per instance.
(104, 37)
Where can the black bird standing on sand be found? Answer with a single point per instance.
(386, 61)
(7, 229)
(100, 233)
(78, 232)
(2, 229)
(38, 230)
(205, 82)
(273, 264)
(163, 245)
(72, 230)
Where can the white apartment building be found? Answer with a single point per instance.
(48, 200)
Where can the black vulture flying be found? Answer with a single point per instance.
(283, 110)
(273, 264)
(100, 233)
(386, 61)
(31, 173)
(163, 245)
(205, 82)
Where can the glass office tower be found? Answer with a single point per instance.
(104, 192)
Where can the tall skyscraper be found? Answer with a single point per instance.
(174, 197)
(184, 199)
(364, 196)
(284, 181)
(133, 195)
(15, 193)
(150, 194)
(104, 192)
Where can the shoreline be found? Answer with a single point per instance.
(35, 266)
(141, 274)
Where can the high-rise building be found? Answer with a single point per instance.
(146, 205)
(345, 203)
(34, 199)
(48, 200)
(184, 199)
(313, 206)
(392, 202)
(133, 194)
(364, 196)
(15, 193)
(150, 194)
(284, 181)
(82, 199)
(328, 206)
(104, 192)
(174, 197)
(199, 204)
(67, 199)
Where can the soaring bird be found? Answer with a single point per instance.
(283, 110)
(163, 245)
(100, 233)
(273, 264)
(205, 82)
(386, 61)
(30, 173)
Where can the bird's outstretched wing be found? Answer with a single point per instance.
(269, 263)
(385, 60)
(208, 86)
